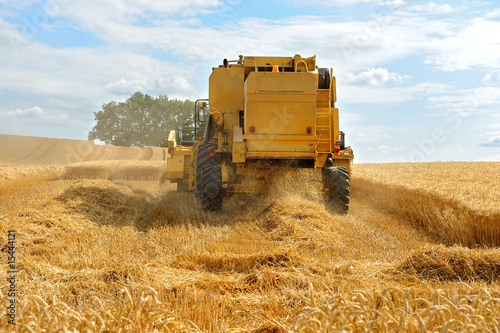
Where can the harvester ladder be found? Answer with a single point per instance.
(323, 120)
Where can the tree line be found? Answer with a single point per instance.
(142, 120)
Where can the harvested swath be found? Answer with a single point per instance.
(158, 154)
(103, 202)
(125, 170)
(453, 263)
(228, 262)
(141, 170)
(17, 172)
(91, 170)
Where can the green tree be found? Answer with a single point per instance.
(141, 120)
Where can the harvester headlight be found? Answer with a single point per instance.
(309, 130)
(251, 129)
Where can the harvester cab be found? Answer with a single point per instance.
(263, 115)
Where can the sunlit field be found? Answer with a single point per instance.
(106, 246)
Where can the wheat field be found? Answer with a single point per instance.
(100, 250)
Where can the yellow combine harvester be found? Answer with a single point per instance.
(264, 115)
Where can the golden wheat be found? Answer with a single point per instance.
(101, 250)
(104, 256)
(475, 185)
(396, 310)
(405, 190)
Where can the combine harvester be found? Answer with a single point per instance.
(264, 115)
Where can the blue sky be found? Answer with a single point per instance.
(416, 80)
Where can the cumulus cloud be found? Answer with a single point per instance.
(19, 119)
(467, 102)
(347, 117)
(472, 46)
(162, 85)
(29, 112)
(391, 3)
(493, 14)
(389, 149)
(375, 77)
(491, 139)
(373, 133)
(432, 8)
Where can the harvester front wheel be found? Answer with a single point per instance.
(211, 188)
(337, 183)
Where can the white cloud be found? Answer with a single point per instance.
(35, 115)
(391, 3)
(493, 14)
(348, 118)
(491, 139)
(431, 8)
(467, 102)
(373, 133)
(162, 85)
(386, 95)
(34, 111)
(123, 87)
(389, 149)
(343, 3)
(375, 77)
(473, 46)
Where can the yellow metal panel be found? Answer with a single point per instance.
(254, 78)
(237, 134)
(335, 125)
(175, 167)
(280, 137)
(279, 118)
(270, 61)
(226, 90)
(283, 112)
(239, 152)
(281, 83)
(322, 98)
(346, 163)
(306, 147)
(280, 97)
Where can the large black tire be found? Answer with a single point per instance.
(204, 159)
(337, 183)
(211, 188)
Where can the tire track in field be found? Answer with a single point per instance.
(32, 151)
